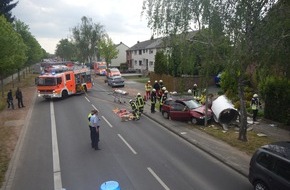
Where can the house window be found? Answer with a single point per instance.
(146, 50)
(135, 62)
(140, 52)
(140, 63)
(151, 63)
(151, 51)
(135, 52)
(143, 50)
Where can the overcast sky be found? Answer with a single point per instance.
(51, 20)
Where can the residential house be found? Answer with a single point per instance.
(141, 56)
(121, 57)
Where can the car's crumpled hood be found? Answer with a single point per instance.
(201, 110)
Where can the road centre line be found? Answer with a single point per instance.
(134, 152)
(87, 99)
(107, 121)
(158, 179)
(95, 107)
(55, 151)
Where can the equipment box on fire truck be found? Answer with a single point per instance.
(60, 81)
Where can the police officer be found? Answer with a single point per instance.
(255, 105)
(95, 134)
(140, 102)
(153, 100)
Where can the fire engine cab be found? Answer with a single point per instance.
(60, 81)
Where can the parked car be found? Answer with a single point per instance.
(270, 167)
(116, 81)
(185, 110)
(113, 72)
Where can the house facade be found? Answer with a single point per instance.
(141, 56)
(121, 57)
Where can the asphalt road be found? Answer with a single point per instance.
(56, 151)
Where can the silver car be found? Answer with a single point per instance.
(116, 81)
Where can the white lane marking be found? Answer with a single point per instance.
(134, 152)
(95, 107)
(158, 179)
(87, 99)
(107, 122)
(55, 151)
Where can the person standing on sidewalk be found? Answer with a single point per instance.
(19, 97)
(10, 99)
(255, 105)
(95, 134)
(153, 100)
(162, 99)
(148, 88)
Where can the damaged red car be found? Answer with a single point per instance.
(185, 110)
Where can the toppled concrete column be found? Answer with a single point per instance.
(224, 111)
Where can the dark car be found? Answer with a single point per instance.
(270, 167)
(116, 81)
(185, 110)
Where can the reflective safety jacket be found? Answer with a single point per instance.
(163, 98)
(133, 105)
(255, 103)
(140, 102)
(148, 87)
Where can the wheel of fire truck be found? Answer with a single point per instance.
(64, 94)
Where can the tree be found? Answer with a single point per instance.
(65, 49)
(86, 37)
(107, 49)
(34, 51)
(12, 50)
(236, 19)
(161, 63)
(5, 9)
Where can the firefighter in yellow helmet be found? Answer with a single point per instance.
(162, 99)
(255, 105)
(135, 110)
(140, 102)
(148, 89)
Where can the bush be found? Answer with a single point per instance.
(276, 93)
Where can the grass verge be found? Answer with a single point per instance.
(231, 138)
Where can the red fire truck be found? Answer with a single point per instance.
(60, 81)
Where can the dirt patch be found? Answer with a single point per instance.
(11, 124)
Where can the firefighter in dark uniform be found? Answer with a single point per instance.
(153, 100)
(140, 102)
(135, 109)
(162, 99)
(255, 105)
